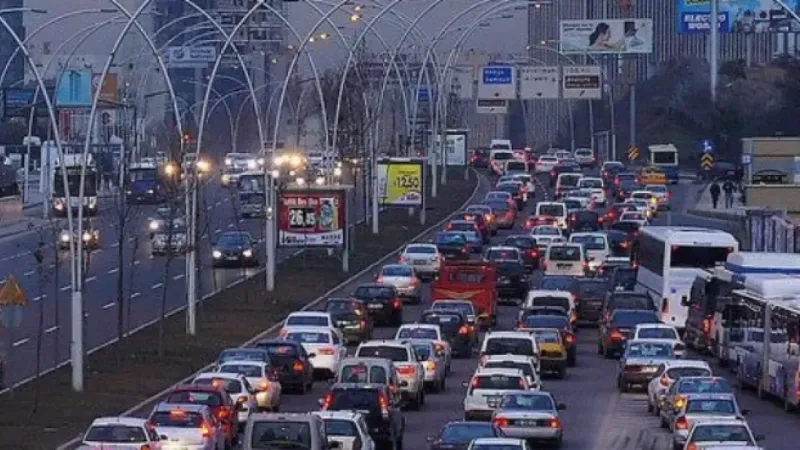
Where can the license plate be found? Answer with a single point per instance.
(526, 423)
(375, 306)
(419, 262)
(563, 266)
(232, 258)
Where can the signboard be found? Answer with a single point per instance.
(707, 146)
(707, 161)
(400, 182)
(633, 153)
(108, 89)
(747, 159)
(17, 102)
(487, 106)
(461, 83)
(737, 16)
(312, 218)
(497, 83)
(423, 94)
(179, 57)
(11, 294)
(583, 82)
(537, 82)
(74, 88)
(621, 36)
(455, 147)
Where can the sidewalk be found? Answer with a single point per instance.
(705, 207)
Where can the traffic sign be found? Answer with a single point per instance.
(11, 316)
(11, 294)
(747, 159)
(707, 146)
(633, 153)
(539, 82)
(707, 161)
(497, 83)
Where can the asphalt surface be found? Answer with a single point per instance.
(47, 286)
(598, 416)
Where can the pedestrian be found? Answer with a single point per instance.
(714, 190)
(728, 187)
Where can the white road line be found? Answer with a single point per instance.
(90, 279)
(210, 208)
(131, 239)
(115, 270)
(51, 266)
(36, 299)
(115, 245)
(29, 273)
(218, 230)
(158, 285)
(51, 329)
(219, 203)
(65, 288)
(178, 277)
(136, 263)
(226, 199)
(230, 225)
(20, 342)
(109, 305)
(134, 295)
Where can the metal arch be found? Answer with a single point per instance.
(219, 97)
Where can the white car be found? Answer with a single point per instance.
(566, 259)
(428, 331)
(308, 319)
(545, 163)
(486, 388)
(402, 277)
(325, 347)
(109, 432)
(346, 428)
(634, 216)
(585, 157)
(597, 247)
(261, 377)
(499, 442)
(433, 363)
(242, 394)
(410, 371)
(563, 154)
(556, 210)
(533, 416)
(582, 195)
(700, 408)
(527, 180)
(648, 197)
(661, 332)
(546, 235)
(511, 343)
(666, 375)
(187, 426)
(520, 362)
(424, 258)
(546, 297)
(727, 434)
(661, 193)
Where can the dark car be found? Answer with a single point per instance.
(461, 335)
(458, 435)
(623, 278)
(626, 300)
(234, 248)
(465, 307)
(563, 167)
(452, 245)
(610, 171)
(480, 158)
(615, 332)
(584, 221)
(351, 317)
(478, 219)
(515, 189)
(292, 364)
(218, 401)
(628, 227)
(555, 283)
(559, 322)
(589, 294)
(528, 249)
(379, 406)
(383, 303)
(549, 310)
(512, 279)
(625, 188)
(504, 214)
(621, 244)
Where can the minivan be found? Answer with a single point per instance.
(565, 259)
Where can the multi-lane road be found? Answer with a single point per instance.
(145, 278)
(598, 416)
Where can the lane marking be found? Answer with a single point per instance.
(65, 288)
(230, 225)
(20, 342)
(115, 245)
(218, 230)
(226, 199)
(29, 273)
(219, 203)
(178, 277)
(109, 305)
(115, 270)
(90, 279)
(51, 329)
(210, 208)
(52, 266)
(131, 239)
(136, 263)
(134, 295)
(158, 285)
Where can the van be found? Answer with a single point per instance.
(548, 298)
(556, 210)
(596, 245)
(498, 159)
(367, 370)
(565, 259)
(500, 144)
(265, 428)
(566, 182)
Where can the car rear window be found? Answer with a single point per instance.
(507, 345)
(536, 321)
(522, 242)
(548, 300)
(354, 399)
(680, 372)
(308, 337)
(631, 301)
(335, 427)
(565, 253)
(704, 386)
(495, 255)
(358, 373)
(569, 180)
(396, 354)
(531, 402)
(592, 289)
(417, 333)
(547, 336)
(514, 165)
(555, 283)
(497, 382)
(374, 292)
(280, 350)
(397, 271)
(591, 184)
(242, 369)
(462, 226)
(177, 419)
(229, 386)
(525, 368)
(210, 399)
(464, 433)
(657, 333)
(268, 435)
(115, 434)
(551, 210)
(311, 321)
(721, 433)
(420, 249)
(633, 318)
(240, 355)
(590, 242)
(710, 406)
(449, 238)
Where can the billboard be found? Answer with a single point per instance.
(738, 16)
(312, 218)
(17, 102)
(539, 82)
(583, 82)
(400, 182)
(74, 88)
(461, 82)
(108, 89)
(179, 57)
(497, 82)
(620, 36)
(455, 148)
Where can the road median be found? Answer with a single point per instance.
(45, 412)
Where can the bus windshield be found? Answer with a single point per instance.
(142, 174)
(665, 158)
(74, 184)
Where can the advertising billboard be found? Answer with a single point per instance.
(400, 182)
(312, 218)
(497, 83)
(74, 88)
(583, 82)
(455, 148)
(738, 16)
(620, 36)
(18, 102)
(179, 57)
(461, 82)
(108, 89)
(539, 82)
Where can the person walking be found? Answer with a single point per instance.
(714, 190)
(728, 187)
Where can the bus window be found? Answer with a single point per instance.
(467, 277)
(698, 257)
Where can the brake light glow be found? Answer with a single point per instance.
(691, 446)
(430, 366)
(407, 371)
(555, 423)
(379, 279)
(707, 326)
(298, 366)
(205, 430)
(223, 413)
(664, 380)
(327, 351)
(569, 339)
(682, 424)
(363, 324)
(327, 402)
(145, 447)
(264, 385)
(439, 348)
(397, 304)
(464, 331)
(616, 336)
(501, 422)
(476, 382)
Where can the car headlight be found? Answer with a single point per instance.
(129, 192)
(228, 162)
(59, 206)
(292, 173)
(247, 253)
(216, 254)
(251, 164)
(150, 191)
(226, 178)
(337, 172)
(261, 161)
(87, 236)
(64, 237)
(153, 226)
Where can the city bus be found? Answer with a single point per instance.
(251, 194)
(72, 167)
(665, 157)
(143, 182)
(669, 260)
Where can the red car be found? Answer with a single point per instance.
(216, 399)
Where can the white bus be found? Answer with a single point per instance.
(669, 260)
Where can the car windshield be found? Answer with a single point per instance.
(270, 435)
(397, 271)
(210, 399)
(358, 374)
(551, 300)
(450, 238)
(498, 382)
(681, 372)
(710, 406)
(657, 333)
(374, 292)
(247, 370)
(524, 367)
(590, 242)
(233, 240)
(547, 337)
(592, 288)
(308, 338)
(631, 319)
(420, 249)
(122, 434)
(464, 433)
(721, 433)
(530, 402)
(504, 254)
(564, 253)
(649, 350)
(506, 345)
(551, 210)
(177, 419)
(417, 333)
(545, 321)
(704, 386)
(335, 427)
(308, 321)
(552, 283)
(395, 354)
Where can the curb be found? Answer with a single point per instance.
(311, 304)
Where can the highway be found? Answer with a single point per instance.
(598, 416)
(145, 278)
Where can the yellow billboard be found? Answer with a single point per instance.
(400, 182)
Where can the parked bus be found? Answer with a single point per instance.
(251, 194)
(72, 167)
(665, 157)
(669, 260)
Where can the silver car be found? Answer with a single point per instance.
(701, 408)
(424, 258)
(265, 430)
(187, 426)
(120, 433)
(530, 415)
(402, 277)
(409, 370)
(432, 361)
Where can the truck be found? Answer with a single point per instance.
(71, 167)
(144, 182)
(251, 194)
(665, 157)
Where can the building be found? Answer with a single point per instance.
(16, 70)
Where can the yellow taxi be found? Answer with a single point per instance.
(553, 354)
(652, 175)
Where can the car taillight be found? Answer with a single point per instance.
(223, 413)
(555, 423)
(707, 326)
(680, 402)
(465, 250)
(264, 385)
(616, 335)
(569, 339)
(407, 371)
(681, 424)
(501, 422)
(464, 331)
(430, 366)
(691, 446)
(363, 324)
(298, 366)
(327, 351)
(379, 280)
(664, 380)
(205, 429)
(439, 348)
(397, 304)
(327, 401)
(145, 447)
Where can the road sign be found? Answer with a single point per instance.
(11, 316)
(583, 82)
(633, 153)
(11, 294)
(747, 159)
(707, 161)
(423, 94)
(497, 83)
(461, 82)
(487, 106)
(539, 82)
(707, 146)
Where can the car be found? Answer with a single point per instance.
(661, 193)
(572, 205)
(533, 416)
(505, 213)
(464, 307)
(615, 332)
(309, 319)
(512, 279)
(237, 387)
(596, 246)
(111, 432)
(528, 249)
(563, 299)
(631, 300)
(185, 426)
(486, 388)
(216, 399)
(262, 378)
(349, 429)
(637, 217)
(642, 206)
(517, 190)
(409, 370)
(610, 169)
(323, 345)
(488, 216)
(480, 222)
(528, 184)
(380, 407)
(648, 198)
(730, 433)
(434, 363)
(545, 164)
(667, 374)
(458, 435)
(555, 210)
(164, 214)
(453, 245)
(553, 353)
(589, 295)
(562, 168)
(292, 364)
(630, 227)
(469, 227)
(235, 248)
(499, 196)
(640, 361)
(555, 282)
(510, 343)
(495, 443)
(424, 258)
(549, 317)
(585, 157)
(566, 259)
(274, 430)
(661, 332)
(171, 241)
(460, 335)
(546, 235)
(368, 371)
(652, 175)
(615, 211)
(566, 182)
(596, 187)
(91, 238)
(521, 362)
(351, 317)
(402, 277)
(479, 158)
(621, 245)
(624, 189)
(584, 220)
(429, 331)
(700, 408)
(516, 166)
(242, 354)
(383, 302)
(622, 278)
(675, 397)
(580, 196)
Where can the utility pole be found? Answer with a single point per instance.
(633, 114)
(714, 50)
